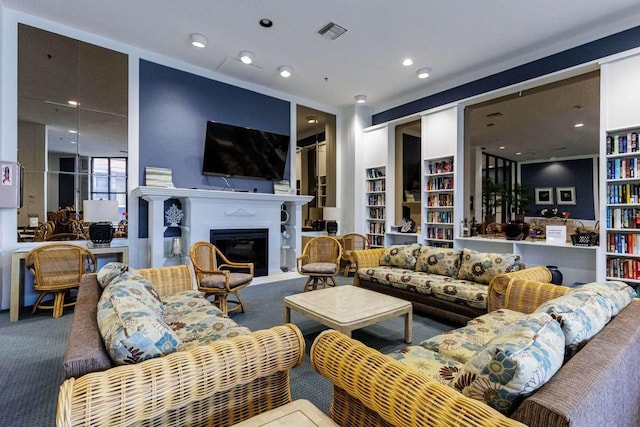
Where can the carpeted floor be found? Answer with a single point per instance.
(31, 351)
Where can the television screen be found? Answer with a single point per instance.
(236, 151)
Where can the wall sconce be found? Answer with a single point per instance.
(102, 214)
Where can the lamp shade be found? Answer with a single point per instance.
(100, 211)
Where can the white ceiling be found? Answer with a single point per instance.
(460, 40)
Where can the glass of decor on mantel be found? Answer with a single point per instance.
(173, 215)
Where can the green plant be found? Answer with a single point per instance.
(492, 194)
(520, 198)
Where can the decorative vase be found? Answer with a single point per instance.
(556, 275)
(516, 230)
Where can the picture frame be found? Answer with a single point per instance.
(566, 195)
(544, 196)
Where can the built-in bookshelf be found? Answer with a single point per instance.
(375, 190)
(438, 199)
(622, 243)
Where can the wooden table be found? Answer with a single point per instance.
(18, 269)
(299, 413)
(346, 308)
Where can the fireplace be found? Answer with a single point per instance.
(244, 245)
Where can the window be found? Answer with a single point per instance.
(109, 180)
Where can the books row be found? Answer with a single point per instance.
(440, 167)
(376, 200)
(441, 183)
(375, 241)
(623, 193)
(440, 233)
(374, 173)
(440, 200)
(443, 217)
(376, 228)
(620, 144)
(623, 168)
(375, 186)
(623, 243)
(376, 213)
(623, 268)
(623, 218)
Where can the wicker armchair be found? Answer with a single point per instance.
(219, 280)
(58, 268)
(44, 231)
(352, 242)
(320, 260)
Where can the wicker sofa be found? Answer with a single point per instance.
(450, 284)
(215, 384)
(596, 386)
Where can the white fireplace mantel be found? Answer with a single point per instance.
(205, 210)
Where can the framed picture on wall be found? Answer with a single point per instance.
(566, 195)
(544, 196)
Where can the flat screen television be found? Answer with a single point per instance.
(235, 151)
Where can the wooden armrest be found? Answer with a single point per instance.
(397, 393)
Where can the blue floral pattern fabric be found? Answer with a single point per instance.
(481, 267)
(617, 293)
(401, 256)
(514, 364)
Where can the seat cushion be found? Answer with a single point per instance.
(514, 364)
(217, 280)
(320, 268)
(398, 278)
(441, 368)
(464, 292)
(443, 261)
(480, 267)
(401, 256)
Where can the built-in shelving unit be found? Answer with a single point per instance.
(438, 198)
(375, 204)
(622, 243)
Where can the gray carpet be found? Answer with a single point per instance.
(31, 351)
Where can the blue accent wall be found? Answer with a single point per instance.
(174, 109)
(600, 48)
(567, 173)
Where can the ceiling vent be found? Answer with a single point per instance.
(332, 31)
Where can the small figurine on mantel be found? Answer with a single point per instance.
(408, 226)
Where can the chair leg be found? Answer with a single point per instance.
(240, 302)
(333, 280)
(222, 303)
(309, 284)
(37, 303)
(58, 304)
(347, 268)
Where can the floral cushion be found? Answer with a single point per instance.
(111, 272)
(196, 321)
(441, 368)
(402, 256)
(514, 364)
(131, 331)
(496, 321)
(398, 278)
(460, 344)
(581, 315)
(116, 272)
(443, 261)
(619, 294)
(464, 292)
(480, 267)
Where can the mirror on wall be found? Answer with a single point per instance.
(72, 129)
(408, 177)
(315, 162)
(548, 136)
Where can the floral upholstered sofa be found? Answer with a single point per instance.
(149, 349)
(451, 284)
(551, 356)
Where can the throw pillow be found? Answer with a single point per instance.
(581, 315)
(514, 364)
(481, 267)
(617, 293)
(442, 261)
(110, 272)
(401, 256)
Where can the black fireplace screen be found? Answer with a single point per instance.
(244, 245)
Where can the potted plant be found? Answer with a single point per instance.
(492, 193)
(520, 200)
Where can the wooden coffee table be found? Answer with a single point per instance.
(346, 308)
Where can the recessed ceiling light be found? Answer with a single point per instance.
(407, 62)
(72, 102)
(502, 147)
(246, 57)
(578, 125)
(72, 142)
(73, 131)
(198, 40)
(266, 22)
(360, 99)
(312, 119)
(423, 73)
(285, 70)
(518, 153)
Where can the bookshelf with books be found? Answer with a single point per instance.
(622, 238)
(439, 205)
(375, 191)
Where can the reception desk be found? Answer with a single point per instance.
(18, 271)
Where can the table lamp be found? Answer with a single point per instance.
(331, 215)
(102, 214)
